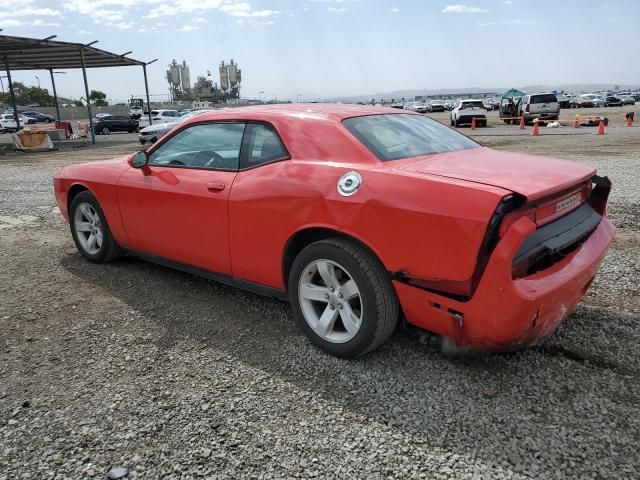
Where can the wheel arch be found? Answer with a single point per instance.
(74, 190)
(311, 234)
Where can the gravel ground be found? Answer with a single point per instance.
(171, 376)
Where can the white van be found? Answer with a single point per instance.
(543, 106)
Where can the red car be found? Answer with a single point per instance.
(357, 215)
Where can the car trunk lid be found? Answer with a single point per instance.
(532, 176)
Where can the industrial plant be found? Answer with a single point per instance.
(204, 89)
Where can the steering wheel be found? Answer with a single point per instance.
(214, 159)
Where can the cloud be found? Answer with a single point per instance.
(27, 11)
(10, 22)
(395, 9)
(336, 9)
(13, 22)
(187, 28)
(516, 21)
(85, 32)
(508, 2)
(41, 23)
(463, 9)
(230, 7)
(120, 25)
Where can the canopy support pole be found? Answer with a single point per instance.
(55, 95)
(86, 93)
(146, 90)
(13, 96)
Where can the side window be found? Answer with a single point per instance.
(262, 145)
(210, 145)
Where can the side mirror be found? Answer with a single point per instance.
(139, 160)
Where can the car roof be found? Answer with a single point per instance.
(311, 111)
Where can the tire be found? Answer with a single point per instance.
(452, 121)
(105, 131)
(47, 120)
(456, 123)
(108, 250)
(375, 301)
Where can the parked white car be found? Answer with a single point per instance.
(464, 111)
(158, 116)
(152, 133)
(597, 100)
(8, 122)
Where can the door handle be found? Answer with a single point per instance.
(215, 187)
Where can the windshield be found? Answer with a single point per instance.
(396, 136)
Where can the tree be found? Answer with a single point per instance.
(78, 103)
(29, 96)
(97, 98)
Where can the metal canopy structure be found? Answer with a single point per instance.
(21, 53)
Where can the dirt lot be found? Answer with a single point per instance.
(172, 376)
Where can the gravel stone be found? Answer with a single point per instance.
(117, 472)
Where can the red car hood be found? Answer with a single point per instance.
(529, 175)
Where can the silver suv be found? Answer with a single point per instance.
(543, 106)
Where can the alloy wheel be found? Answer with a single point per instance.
(88, 228)
(330, 301)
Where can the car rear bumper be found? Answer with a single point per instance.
(506, 313)
(469, 118)
(541, 116)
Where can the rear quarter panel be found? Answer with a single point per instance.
(430, 227)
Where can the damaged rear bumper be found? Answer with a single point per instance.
(505, 313)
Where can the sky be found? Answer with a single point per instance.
(331, 48)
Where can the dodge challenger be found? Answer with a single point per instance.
(361, 217)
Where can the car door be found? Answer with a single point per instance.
(176, 209)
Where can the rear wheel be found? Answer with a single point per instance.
(342, 298)
(90, 230)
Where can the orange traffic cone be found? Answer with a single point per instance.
(521, 123)
(576, 122)
(601, 127)
(536, 130)
(629, 121)
(473, 123)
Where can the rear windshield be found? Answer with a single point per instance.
(391, 137)
(548, 98)
(477, 104)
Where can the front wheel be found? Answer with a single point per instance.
(90, 230)
(105, 130)
(342, 297)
